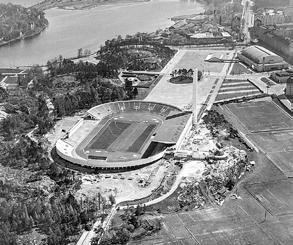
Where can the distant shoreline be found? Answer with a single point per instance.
(10, 44)
(80, 5)
(73, 7)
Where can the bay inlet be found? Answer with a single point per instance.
(90, 28)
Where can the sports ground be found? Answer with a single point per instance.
(261, 116)
(120, 134)
(269, 127)
(126, 135)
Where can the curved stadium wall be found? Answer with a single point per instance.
(140, 115)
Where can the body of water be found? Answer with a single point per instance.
(26, 3)
(70, 30)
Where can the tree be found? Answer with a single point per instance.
(112, 199)
(135, 92)
(79, 53)
(7, 237)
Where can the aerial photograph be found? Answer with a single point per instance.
(146, 122)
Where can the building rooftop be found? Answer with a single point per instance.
(210, 35)
(260, 55)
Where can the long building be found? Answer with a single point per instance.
(261, 59)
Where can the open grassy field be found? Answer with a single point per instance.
(275, 198)
(279, 148)
(261, 116)
(270, 129)
(274, 141)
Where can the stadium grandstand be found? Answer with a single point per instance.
(261, 59)
(124, 135)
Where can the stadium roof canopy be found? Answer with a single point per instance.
(261, 55)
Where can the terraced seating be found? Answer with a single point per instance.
(157, 109)
(130, 106)
(108, 109)
(165, 111)
(136, 105)
(144, 106)
(114, 107)
(101, 111)
(81, 131)
(122, 106)
(95, 112)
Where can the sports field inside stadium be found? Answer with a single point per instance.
(123, 136)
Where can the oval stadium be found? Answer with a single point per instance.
(124, 135)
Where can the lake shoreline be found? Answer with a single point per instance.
(18, 39)
(70, 30)
(32, 35)
(81, 5)
(38, 32)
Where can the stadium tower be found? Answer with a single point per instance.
(194, 97)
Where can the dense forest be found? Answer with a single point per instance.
(17, 21)
(30, 203)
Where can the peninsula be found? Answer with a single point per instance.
(79, 5)
(17, 22)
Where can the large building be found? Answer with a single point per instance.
(124, 135)
(261, 59)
